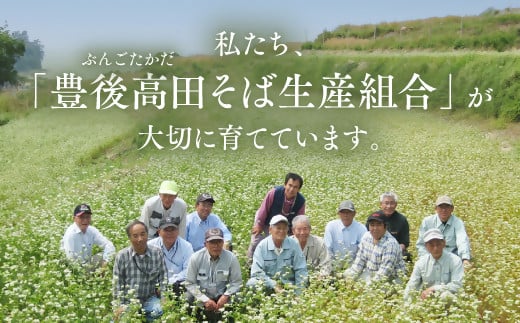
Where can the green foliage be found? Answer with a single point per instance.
(492, 30)
(33, 56)
(10, 50)
(52, 160)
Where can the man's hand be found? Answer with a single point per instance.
(257, 229)
(427, 292)
(223, 300)
(467, 264)
(278, 289)
(118, 312)
(210, 305)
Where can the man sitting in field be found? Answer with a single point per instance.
(439, 272)
(139, 273)
(213, 278)
(166, 203)
(452, 228)
(202, 219)
(80, 237)
(343, 236)
(313, 248)
(176, 251)
(379, 257)
(278, 261)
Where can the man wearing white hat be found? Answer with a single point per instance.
(439, 272)
(166, 204)
(278, 260)
(452, 229)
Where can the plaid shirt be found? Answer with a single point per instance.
(139, 274)
(383, 260)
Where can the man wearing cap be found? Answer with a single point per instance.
(80, 237)
(214, 275)
(343, 235)
(439, 272)
(313, 247)
(199, 221)
(278, 260)
(379, 256)
(452, 228)
(176, 251)
(285, 200)
(165, 204)
(139, 273)
(396, 223)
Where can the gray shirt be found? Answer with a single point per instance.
(444, 274)
(209, 279)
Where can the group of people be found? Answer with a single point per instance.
(190, 254)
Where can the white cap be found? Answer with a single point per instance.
(277, 219)
(433, 234)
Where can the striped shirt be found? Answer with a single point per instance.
(378, 261)
(136, 276)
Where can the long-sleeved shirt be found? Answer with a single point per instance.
(378, 261)
(176, 258)
(342, 242)
(289, 266)
(263, 212)
(398, 226)
(454, 232)
(78, 245)
(153, 211)
(316, 254)
(210, 278)
(443, 274)
(136, 276)
(196, 229)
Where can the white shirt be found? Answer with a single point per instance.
(78, 245)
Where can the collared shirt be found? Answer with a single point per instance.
(444, 274)
(342, 241)
(398, 226)
(176, 258)
(316, 254)
(289, 267)
(379, 261)
(78, 245)
(136, 276)
(196, 229)
(153, 211)
(209, 279)
(457, 240)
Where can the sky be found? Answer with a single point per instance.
(75, 28)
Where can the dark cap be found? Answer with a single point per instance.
(205, 197)
(82, 208)
(377, 217)
(168, 221)
(214, 234)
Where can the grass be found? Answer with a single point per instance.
(54, 160)
(492, 30)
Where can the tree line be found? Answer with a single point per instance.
(18, 54)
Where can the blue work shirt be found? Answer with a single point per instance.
(454, 232)
(289, 266)
(196, 229)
